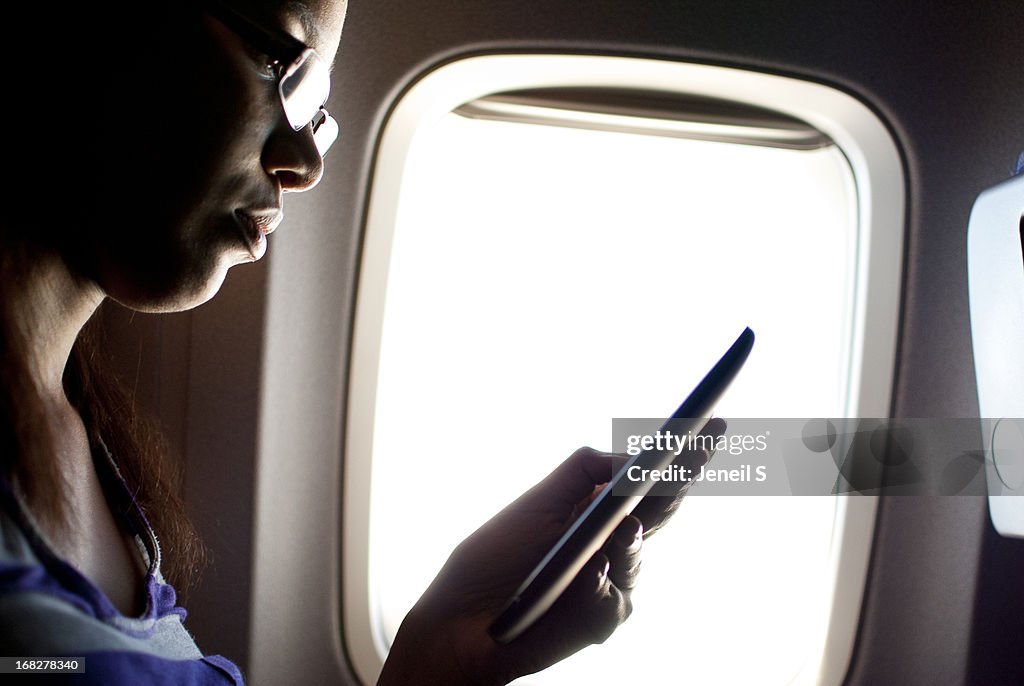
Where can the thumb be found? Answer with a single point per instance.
(576, 477)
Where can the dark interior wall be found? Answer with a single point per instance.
(947, 77)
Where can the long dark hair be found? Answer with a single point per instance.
(26, 442)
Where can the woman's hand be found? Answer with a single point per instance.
(444, 639)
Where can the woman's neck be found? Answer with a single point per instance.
(46, 305)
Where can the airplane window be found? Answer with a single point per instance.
(545, 276)
(544, 280)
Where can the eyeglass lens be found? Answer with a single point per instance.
(304, 88)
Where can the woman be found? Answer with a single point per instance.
(195, 118)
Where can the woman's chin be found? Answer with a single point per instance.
(178, 295)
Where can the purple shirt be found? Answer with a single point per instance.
(50, 609)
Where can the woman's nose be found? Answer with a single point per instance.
(293, 158)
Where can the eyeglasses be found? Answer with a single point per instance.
(303, 79)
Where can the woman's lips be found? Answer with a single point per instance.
(254, 227)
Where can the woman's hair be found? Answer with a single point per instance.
(26, 441)
(140, 452)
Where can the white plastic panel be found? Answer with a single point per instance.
(995, 263)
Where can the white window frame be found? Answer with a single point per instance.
(878, 173)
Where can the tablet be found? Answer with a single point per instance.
(590, 530)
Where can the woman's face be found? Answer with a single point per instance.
(191, 154)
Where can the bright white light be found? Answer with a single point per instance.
(545, 280)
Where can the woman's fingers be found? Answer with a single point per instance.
(602, 606)
(603, 587)
(624, 550)
(655, 511)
